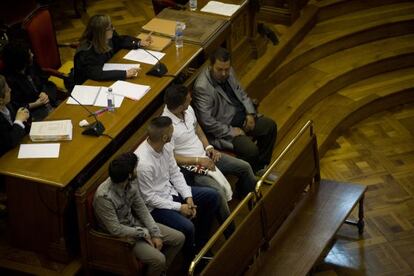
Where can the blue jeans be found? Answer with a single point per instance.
(197, 233)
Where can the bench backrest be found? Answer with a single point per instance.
(232, 258)
(269, 212)
(282, 197)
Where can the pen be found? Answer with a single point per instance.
(100, 111)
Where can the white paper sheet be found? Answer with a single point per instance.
(220, 8)
(47, 150)
(144, 57)
(85, 94)
(102, 99)
(130, 90)
(119, 66)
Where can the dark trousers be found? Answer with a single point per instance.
(257, 147)
(197, 232)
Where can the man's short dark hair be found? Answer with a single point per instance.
(220, 54)
(175, 95)
(157, 127)
(122, 166)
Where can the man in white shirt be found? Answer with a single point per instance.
(191, 147)
(171, 201)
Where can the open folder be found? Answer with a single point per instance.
(158, 43)
(92, 95)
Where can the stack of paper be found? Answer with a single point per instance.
(92, 95)
(220, 8)
(119, 66)
(39, 151)
(144, 56)
(51, 131)
(130, 90)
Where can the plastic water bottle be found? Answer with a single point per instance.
(193, 5)
(179, 29)
(111, 100)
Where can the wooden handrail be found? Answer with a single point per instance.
(251, 197)
(309, 124)
(248, 198)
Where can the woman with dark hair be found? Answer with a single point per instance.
(30, 85)
(98, 44)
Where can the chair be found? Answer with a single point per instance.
(42, 37)
(159, 5)
(100, 250)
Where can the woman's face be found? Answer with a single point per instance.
(109, 31)
(6, 99)
(30, 57)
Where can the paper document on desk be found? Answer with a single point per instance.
(92, 95)
(39, 151)
(56, 130)
(130, 90)
(220, 8)
(85, 94)
(119, 66)
(143, 56)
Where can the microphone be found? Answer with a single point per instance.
(95, 129)
(159, 69)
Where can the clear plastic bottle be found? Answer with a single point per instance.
(179, 29)
(111, 100)
(193, 5)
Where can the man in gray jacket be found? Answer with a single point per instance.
(121, 211)
(228, 116)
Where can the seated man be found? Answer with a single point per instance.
(228, 115)
(121, 211)
(171, 201)
(191, 147)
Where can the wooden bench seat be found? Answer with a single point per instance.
(293, 222)
(310, 228)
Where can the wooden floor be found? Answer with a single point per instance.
(377, 152)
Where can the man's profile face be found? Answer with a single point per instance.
(168, 134)
(220, 70)
(187, 102)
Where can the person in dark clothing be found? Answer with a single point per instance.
(30, 85)
(228, 116)
(12, 129)
(98, 44)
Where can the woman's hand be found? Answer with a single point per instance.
(132, 73)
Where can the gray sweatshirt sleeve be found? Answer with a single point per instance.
(106, 215)
(142, 213)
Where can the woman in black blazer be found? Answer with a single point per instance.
(12, 128)
(98, 44)
(30, 85)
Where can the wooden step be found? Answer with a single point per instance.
(339, 111)
(290, 99)
(341, 33)
(334, 8)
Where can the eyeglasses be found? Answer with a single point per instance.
(110, 28)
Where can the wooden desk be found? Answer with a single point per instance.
(41, 208)
(239, 34)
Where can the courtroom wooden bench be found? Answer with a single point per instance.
(293, 222)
